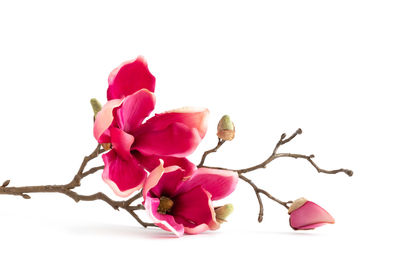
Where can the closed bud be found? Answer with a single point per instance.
(305, 215)
(106, 146)
(96, 106)
(6, 183)
(226, 128)
(221, 213)
(297, 204)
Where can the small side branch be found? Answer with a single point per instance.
(275, 155)
(213, 150)
(283, 140)
(259, 191)
(80, 174)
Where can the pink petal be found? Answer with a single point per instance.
(135, 109)
(121, 142)
(309, 216)
(194, 208)
(163, 181)
(129, 78)
(104, 118)
(153, 179)
(123, 176)
(197, 230)
(152, 161)
(191, 117)
(219, 183)
(164, 221)
(176, 140)
(170, 182)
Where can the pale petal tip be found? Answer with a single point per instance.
(142, 59)
(117, 191)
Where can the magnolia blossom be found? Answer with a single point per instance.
(306, 215)
(138, 145)
(183, 204)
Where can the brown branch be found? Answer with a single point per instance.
(283, 140)
(259, 191)
(66, 189)
(215, 149)
(137, 218)
(80, 175)
(91, 171)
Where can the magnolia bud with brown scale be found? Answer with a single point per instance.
(226, 128)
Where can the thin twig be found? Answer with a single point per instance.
(79, 175)
(206, 153)
(137, 218)
(259, 191)
(283, 140)
(91, 171)
(261, 213)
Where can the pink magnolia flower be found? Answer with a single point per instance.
(136, 145)
(182, 204)
(306, 215)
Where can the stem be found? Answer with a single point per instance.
(276, 155)
(259, 191)
(213, 150)
(80, 175)
(66, 189)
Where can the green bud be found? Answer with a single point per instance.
(226, 128)
(223, 212)
(96, 106)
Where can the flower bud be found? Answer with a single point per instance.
(226, 128)
(221, 213)
(306, 215)
(96, 106)
(106, 146)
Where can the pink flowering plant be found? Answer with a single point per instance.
(145, 162)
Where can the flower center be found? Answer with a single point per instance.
(165, 205)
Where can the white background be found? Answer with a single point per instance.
(329, 67)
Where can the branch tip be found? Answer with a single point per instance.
(26, 196)
(6, 183)
(349, 172)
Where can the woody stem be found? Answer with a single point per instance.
(213, 150)
(66, 189)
